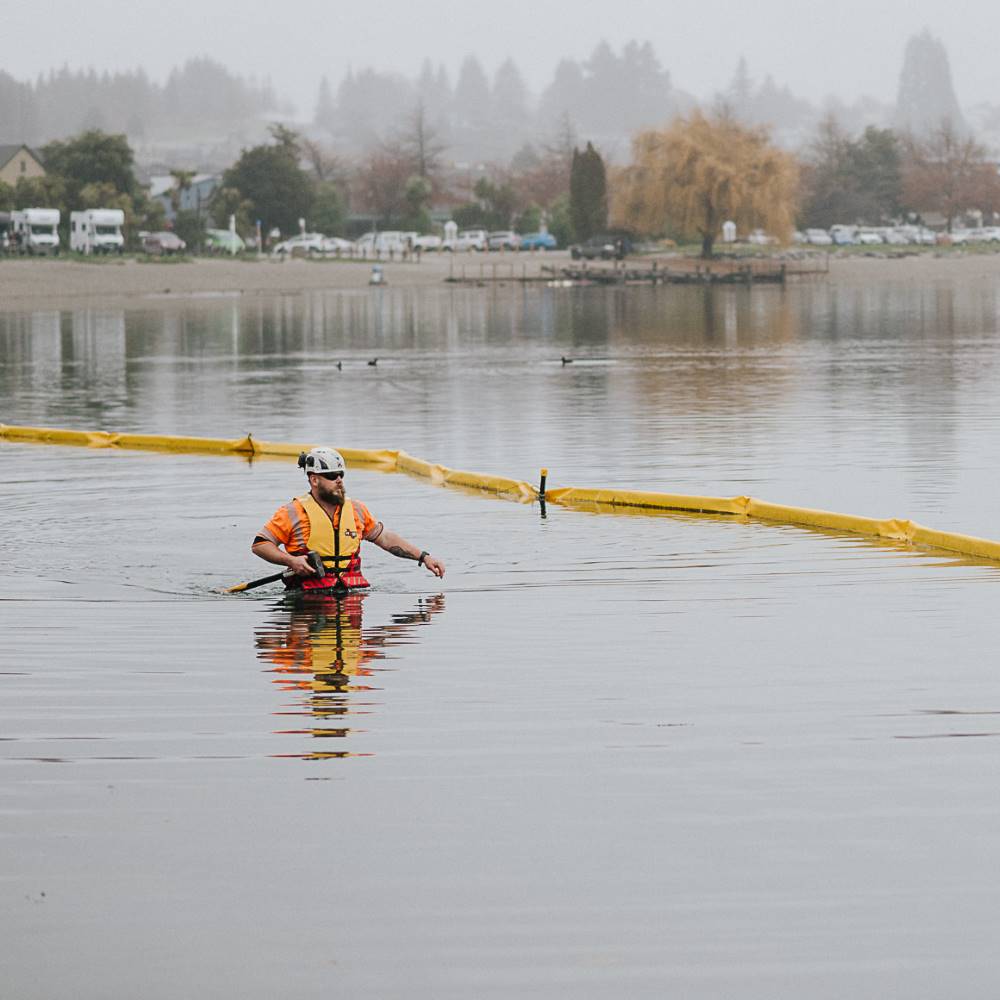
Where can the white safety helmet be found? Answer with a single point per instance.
(321, 461)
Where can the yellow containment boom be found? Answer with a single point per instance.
(596, 500)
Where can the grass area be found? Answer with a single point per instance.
(884, 250)
(918, 250)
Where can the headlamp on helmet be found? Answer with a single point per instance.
(320, 461)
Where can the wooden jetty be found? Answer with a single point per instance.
(667, 270)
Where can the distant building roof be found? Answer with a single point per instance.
(194, 198)
(161, 184)
(7, 153)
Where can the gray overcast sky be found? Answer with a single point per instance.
(817, 47)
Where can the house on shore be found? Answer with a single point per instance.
(19, 161)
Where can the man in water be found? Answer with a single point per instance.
(325, 527)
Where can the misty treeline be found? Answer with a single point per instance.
(682, 182)
(398, 184)
(883, 175)
(199, 97)
(686, 180)
(486, 116)
(875, 177)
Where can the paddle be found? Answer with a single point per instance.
(240, 587)
(314, 557)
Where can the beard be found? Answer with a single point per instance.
(329, 493)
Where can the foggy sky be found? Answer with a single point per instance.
(843, 47)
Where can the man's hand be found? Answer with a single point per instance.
(434, 565)
(269, 552)
(301, 566)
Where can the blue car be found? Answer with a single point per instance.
(538, 241)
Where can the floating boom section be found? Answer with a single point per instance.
(598, 500)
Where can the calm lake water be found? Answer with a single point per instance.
(605, 756)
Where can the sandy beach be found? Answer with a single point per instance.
(29, 282)
(32, 282)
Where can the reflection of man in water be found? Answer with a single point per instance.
(320, 652)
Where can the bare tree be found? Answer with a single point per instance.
(382, 183)
(949, 172)
(325, 166)
(420, 141)
(562, 145)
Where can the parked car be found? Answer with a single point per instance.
(869, 237)
(162, 244)
(427, 242)
(337, 246)
(761, 239)
(468, 239)
(991, 234)
(538, 241)
(504, 239)
(603, 247)
(422, 242)
(819, 237)
(302, 245)
(924, 236)
(223, 241)
(844, 236)
(895, 237)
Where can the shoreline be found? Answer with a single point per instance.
(25, 283)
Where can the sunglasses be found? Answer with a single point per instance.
(331, 475)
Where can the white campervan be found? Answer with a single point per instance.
(35, 230)
(97, 230)
(379, 244)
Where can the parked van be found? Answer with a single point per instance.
(35, 230)
(468, 239)
(97, 230)
(376, 244)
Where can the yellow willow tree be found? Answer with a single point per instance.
(701, 171)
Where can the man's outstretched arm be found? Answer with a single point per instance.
(399, 546)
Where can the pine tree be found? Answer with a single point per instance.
(926, 93)
(325, 109)
(588, 193)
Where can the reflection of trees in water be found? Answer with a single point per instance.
(320, 652)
